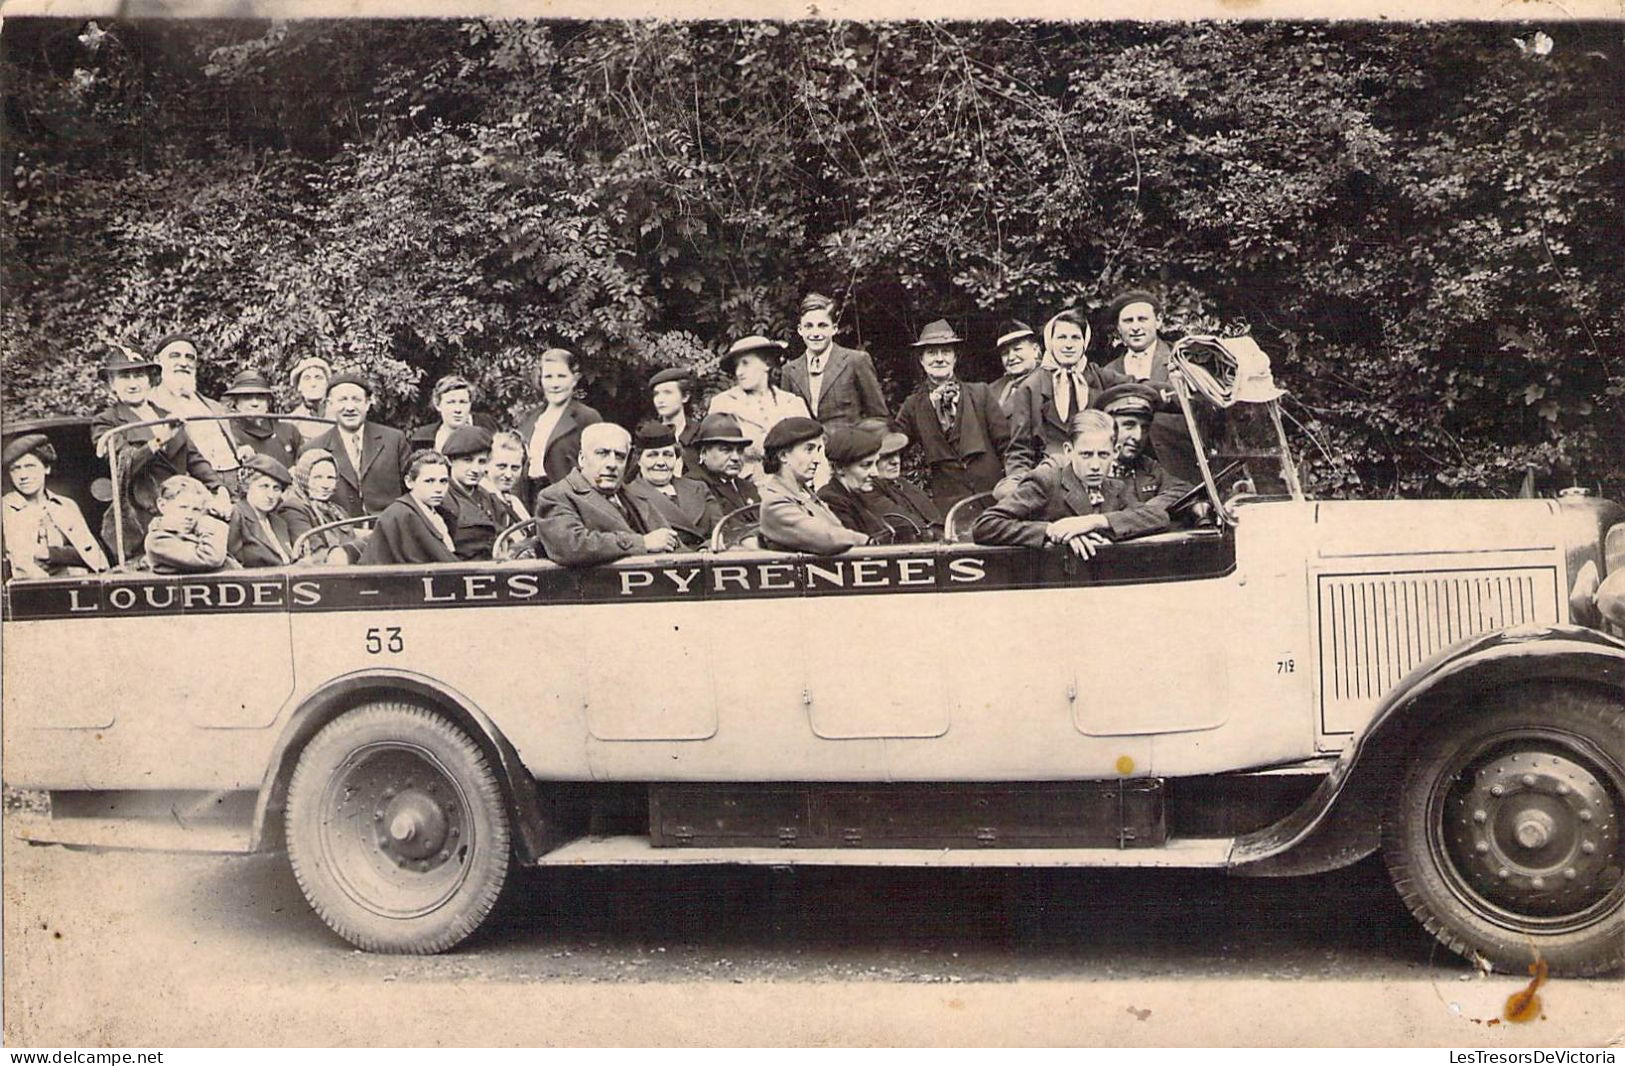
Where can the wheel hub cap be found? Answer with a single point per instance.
(1536, 833)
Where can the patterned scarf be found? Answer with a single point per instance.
(945, 398)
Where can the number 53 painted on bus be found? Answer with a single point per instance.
(1285, 688)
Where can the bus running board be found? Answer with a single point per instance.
(1206, 852)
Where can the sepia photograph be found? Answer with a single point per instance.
(606, 526)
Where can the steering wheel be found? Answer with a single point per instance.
(1184, 506)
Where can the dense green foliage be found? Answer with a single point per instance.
(1420, 223)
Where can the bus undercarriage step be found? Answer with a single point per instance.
(1088, 814)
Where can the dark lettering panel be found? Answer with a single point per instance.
(746, 575)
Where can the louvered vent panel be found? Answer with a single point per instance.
(1375, 629)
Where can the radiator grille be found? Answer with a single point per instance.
(1375, 629)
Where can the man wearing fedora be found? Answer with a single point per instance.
(370, 458)
(586, 518)
(45, 534)
(839, 384)
(148, 456)
(1131, 406)
(251, 394)
(720, 445)
(670, 391)
(1018, 352)
(959, 425)
(663, 498)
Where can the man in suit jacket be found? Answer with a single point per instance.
(892, 494)
(1073, 503)
(586, 519)
(370, 458)
(663, 499)
(257, 535)
(720, 445)
(838, 384)
(1018, 352)
(147, 457)
(958, 424)
(1131, 405)
(1136, 316)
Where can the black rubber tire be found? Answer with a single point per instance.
(363, 891)
(1585, 725)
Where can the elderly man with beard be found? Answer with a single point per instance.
(177, 395)
(148, 456)
(663, 498)
(585, 518)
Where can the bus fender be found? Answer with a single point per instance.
(535, 826)
(1341, 822)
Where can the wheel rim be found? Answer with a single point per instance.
(1526, 827)
(396, 831)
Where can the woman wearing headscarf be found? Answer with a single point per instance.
(793, 518)
(308, 503)
(1043, 406)
(753, 401)
(45, 534)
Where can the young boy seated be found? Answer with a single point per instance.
(184, 538)
(1074, 502)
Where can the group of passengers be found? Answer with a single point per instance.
(1071, 453)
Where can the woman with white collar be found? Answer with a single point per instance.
(753, 401)
(46, 534)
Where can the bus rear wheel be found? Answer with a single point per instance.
(398, 833)
(1504, 838)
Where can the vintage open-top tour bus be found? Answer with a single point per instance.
(1283, 686)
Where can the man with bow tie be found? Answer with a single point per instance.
(959, 424)
(1075, 503)
(1043, 406)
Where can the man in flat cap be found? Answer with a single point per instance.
(720, 445)
(670, 391)
(1076, 502)
(959, 425)
(371, 458)
(45, 533)
(1136, 316)
(476, 517)
(585, 518)
(663, 498)
(1131, 406)
(258, 535)
(147, 456)
(251, 394)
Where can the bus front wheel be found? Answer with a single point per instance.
(397, 830)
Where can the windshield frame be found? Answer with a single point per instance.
(1226, 508)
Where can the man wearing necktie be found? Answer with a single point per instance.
(585, 519)
(839, 384)
(959, 425)
(1043, 406)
